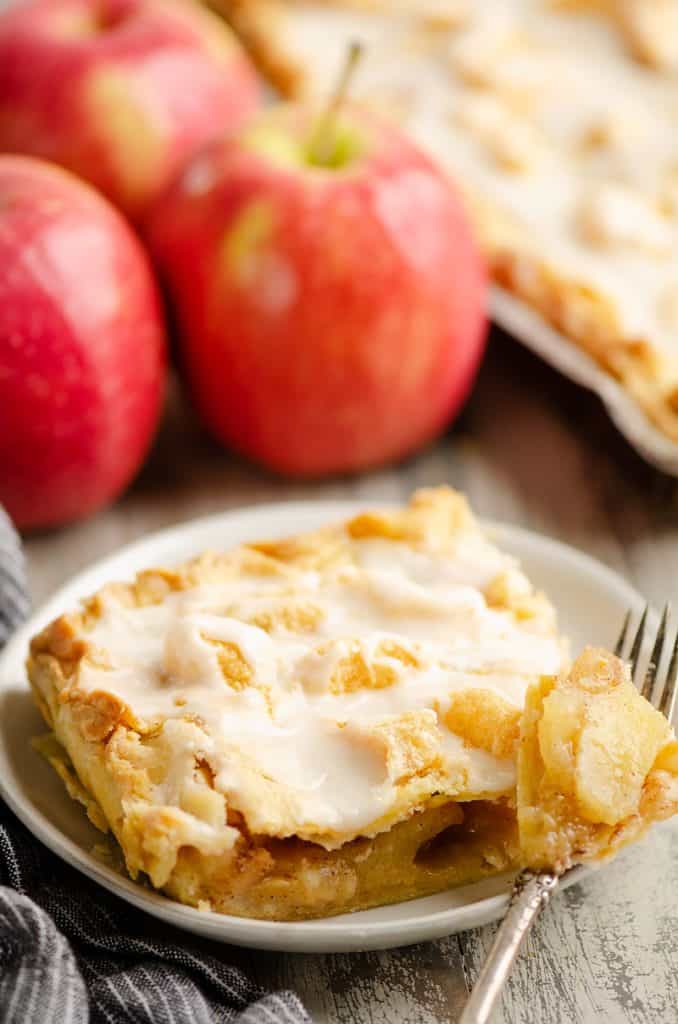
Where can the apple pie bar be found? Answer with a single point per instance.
(363, 714)
(557, 118)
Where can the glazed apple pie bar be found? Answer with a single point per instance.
(360, 715)
(557, 118)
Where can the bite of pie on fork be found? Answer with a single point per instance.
(598, 763)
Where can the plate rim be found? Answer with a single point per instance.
(346, 934)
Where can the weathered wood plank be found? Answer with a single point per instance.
(605, 951)
(417, 985)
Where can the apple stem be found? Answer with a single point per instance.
(321, 145)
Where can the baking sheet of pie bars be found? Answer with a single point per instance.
(523, 323)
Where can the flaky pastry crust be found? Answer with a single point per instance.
(436, 732)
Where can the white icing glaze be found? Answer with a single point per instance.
(287, 750)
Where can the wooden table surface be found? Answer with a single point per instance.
(532, 449)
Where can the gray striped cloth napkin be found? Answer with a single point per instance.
(72, 953)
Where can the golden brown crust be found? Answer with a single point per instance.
(255, 23)
(198, 847)
(588, 782)
(586, 316)
(488, 721)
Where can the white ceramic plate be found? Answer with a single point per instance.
(590, 599)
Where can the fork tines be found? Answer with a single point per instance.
(658, 688)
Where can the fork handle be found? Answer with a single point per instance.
(531, 893)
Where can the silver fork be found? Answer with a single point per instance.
(532, 891)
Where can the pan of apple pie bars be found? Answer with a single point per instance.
(557, 121)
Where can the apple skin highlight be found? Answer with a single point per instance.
(82, 347)
(332, 318)
(120, 91)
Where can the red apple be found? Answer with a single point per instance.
(332, 315)
(82, 346)
(119, 91)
